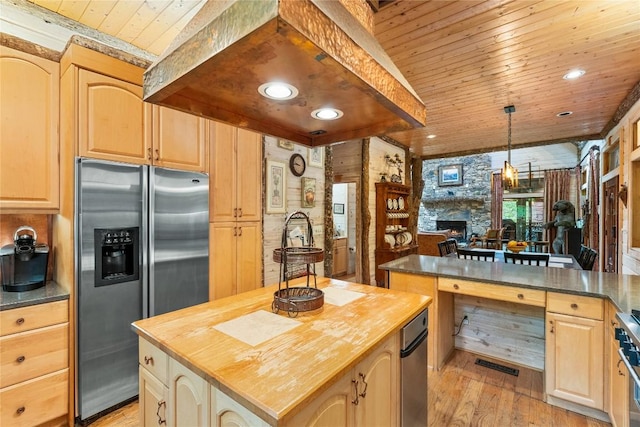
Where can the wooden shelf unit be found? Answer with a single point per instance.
(391, 215)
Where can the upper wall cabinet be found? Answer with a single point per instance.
(235, 174)
(29, 140)
(115, 124)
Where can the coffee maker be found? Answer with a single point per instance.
(23, 264)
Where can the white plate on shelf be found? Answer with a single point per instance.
(395, 204)
(389, 203)
(401, 203)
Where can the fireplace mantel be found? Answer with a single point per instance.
(443, 200)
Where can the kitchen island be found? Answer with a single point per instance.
(239, 362)
(558, 320)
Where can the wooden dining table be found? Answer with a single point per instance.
(555, 260)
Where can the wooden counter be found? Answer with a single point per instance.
(279, 377)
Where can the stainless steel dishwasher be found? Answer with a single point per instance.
(413, 366)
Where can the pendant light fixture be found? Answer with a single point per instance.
(509, 173)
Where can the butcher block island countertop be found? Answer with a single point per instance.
(276, 378)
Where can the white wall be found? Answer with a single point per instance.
(340, 221)
(274, 223)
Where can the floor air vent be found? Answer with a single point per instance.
(498, 367)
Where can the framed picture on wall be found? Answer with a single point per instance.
(287, 145)
(276, 187)
(316, 157)
(308, 192)
(450, 175)
(338, 208)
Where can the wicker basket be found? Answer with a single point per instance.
(298, 255)
(296, 299)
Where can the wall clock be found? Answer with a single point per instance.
(297, 164)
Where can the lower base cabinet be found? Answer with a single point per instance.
(574, 365)
(368, 395)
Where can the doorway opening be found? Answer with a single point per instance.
(345, 230)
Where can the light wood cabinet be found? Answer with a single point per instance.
(235, 174)
(235, 258)
(574, 356)
(368, 395)
(188, 397)
(104, 97)
(235, 210)
(226, 412)
(340, 257)
(618, 375)
(152, 399)
(29, 138)
(34, 353)
(178, 140)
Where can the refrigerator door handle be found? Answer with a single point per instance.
(144, 243)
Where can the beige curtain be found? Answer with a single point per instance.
(496, 200)
(557, 186)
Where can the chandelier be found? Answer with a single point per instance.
(509, 173)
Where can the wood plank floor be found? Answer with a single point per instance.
(462, 394)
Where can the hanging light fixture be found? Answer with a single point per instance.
(509, 173)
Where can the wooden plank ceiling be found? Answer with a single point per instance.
(466, 59)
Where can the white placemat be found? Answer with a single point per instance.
(340, 297)
(560, 259)
(257, 327)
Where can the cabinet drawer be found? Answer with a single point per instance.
(35, 401)
(576, 305)
(32, 317)
(153, 359)
(497, 292)
(34, 353)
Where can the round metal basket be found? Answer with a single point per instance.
(296, 299)
(298, 255)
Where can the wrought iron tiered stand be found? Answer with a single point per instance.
(302, 298)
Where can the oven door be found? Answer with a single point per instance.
(634, 391)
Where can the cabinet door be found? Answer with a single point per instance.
(379, 386)
(226, 412)
(152, 400)
(619, 387)
(333, 407)
(222, 173)
(248, 256)
(179, 140)
(111, 117)
(249, 176)
(222, 259)
(574, 368)
(188, 397)
(340, 260)
(29, 141)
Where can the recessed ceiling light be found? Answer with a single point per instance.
(564, 113)
(327, 114)
(431, 136)
(278, 90)
(574, 74)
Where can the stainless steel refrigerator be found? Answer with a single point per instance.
(142, 249)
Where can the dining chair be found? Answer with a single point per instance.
(476, 254)
(493, 238)
(529, 258)
(587, 257)
(447, 247)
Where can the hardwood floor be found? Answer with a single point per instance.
(462, 394)
(466, 394)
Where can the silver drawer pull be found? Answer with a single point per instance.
(20, 321)
(20, 359)
(148, 360)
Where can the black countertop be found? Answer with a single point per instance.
(622, 289)
(52, 291)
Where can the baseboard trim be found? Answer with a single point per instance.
(580, 409)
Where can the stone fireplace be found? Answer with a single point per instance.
(458, 229)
